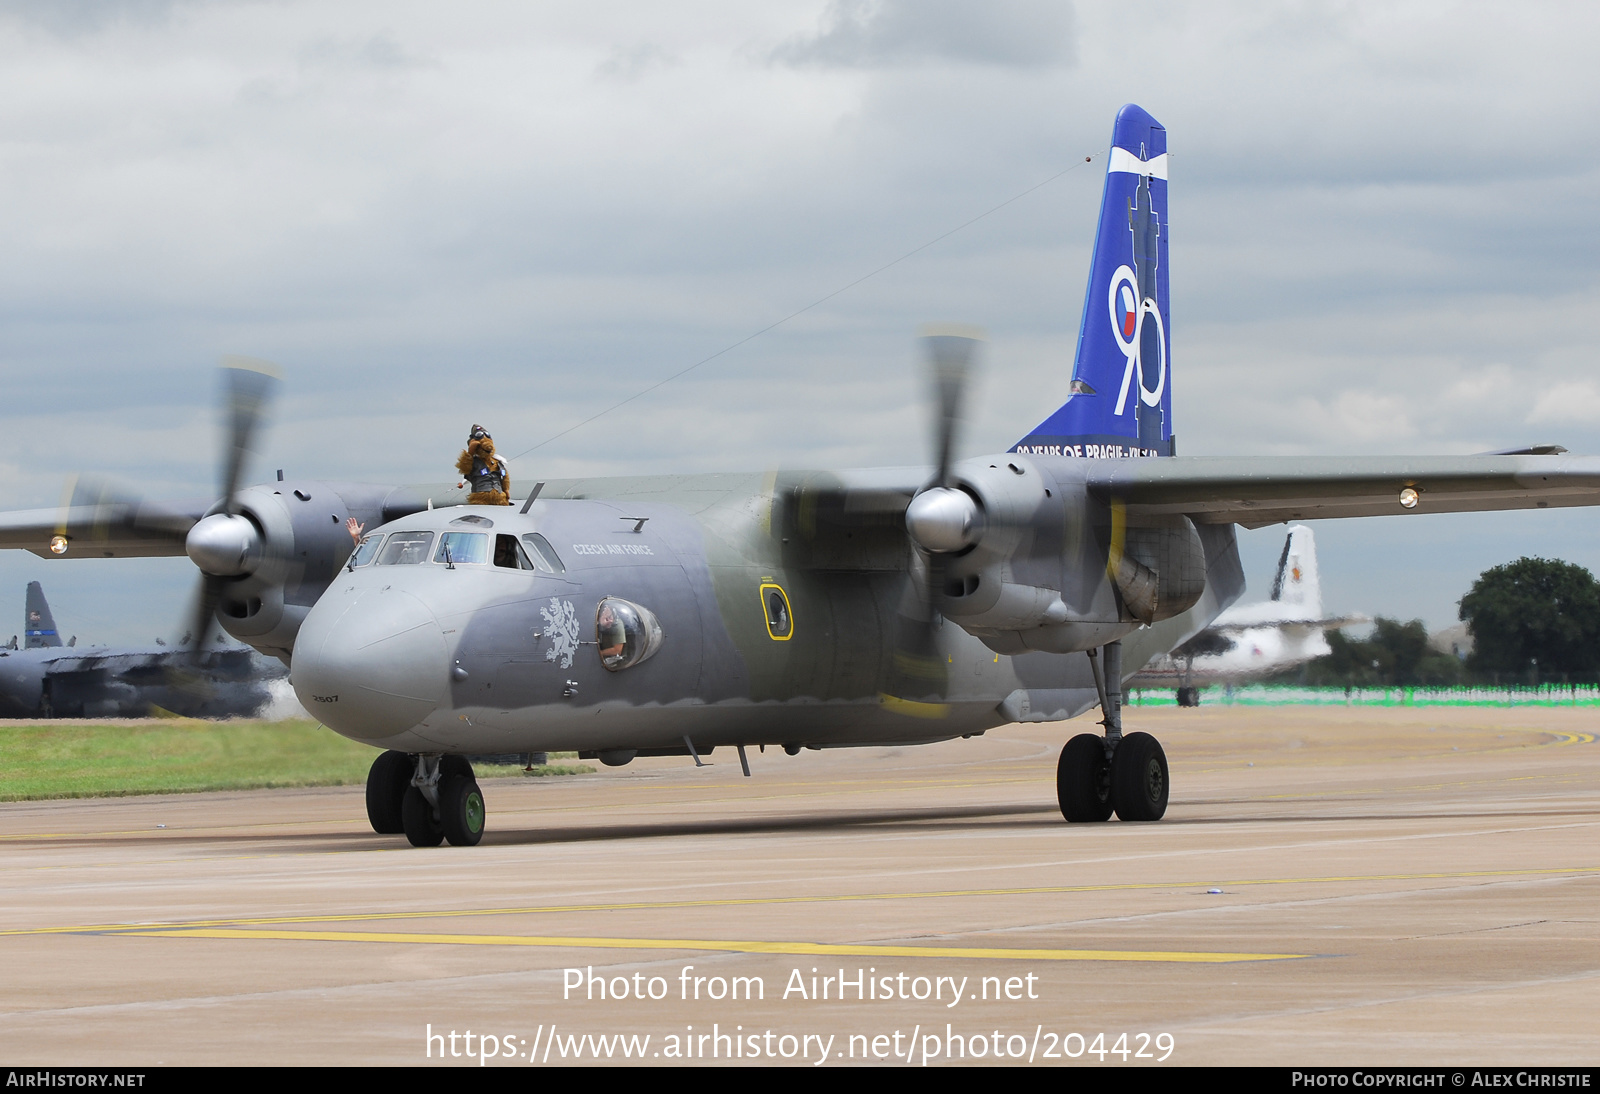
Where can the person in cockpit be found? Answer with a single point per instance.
(612, 634)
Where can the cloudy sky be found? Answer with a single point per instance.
(1383, 242)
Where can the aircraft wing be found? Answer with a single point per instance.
(1332, 624)
(122, 529)
(1257, 492)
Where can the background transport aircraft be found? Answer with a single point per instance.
(672, 614)
(45, 679)
(1251, 641)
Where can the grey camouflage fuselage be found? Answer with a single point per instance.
(474, 657)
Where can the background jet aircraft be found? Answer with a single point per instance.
(46, 679)
(673, 614)
(1251, 641)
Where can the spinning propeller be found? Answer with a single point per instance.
(224, 545)
(941, 521)
(227, 545)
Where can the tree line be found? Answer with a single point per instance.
(1532, 621)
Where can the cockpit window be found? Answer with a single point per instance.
(462, 548)
(508, 553)
(405, 549)
(544, 555)
(626, 632)
(367, 551)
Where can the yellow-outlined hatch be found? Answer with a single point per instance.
(777, 612)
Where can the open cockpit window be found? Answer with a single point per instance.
(508, 554)
(627, 633)
(367, 551)
(462, 548)
(405, 549)
(544, 555)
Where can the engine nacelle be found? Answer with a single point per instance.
(1159, 569)
(982, 590)
(300, 541)
(1055, 569)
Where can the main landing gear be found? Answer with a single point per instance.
(431, 798)
(1125, 774)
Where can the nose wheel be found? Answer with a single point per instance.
(430, 799)
(387, 783)
(461, 811)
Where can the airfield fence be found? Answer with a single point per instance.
(1278, 695)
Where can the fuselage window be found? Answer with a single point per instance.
(462, 548)
(509, 555)
(544, 555)
(780, 620)
(626, 633)
(367, 551)
(406, 549)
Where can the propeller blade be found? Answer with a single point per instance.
(919, 677)
(98, 511)
(204, 621)
(950, 352)
(248, 387)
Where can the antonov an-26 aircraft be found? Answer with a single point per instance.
(675, 614)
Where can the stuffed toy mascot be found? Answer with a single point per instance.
(486, 472)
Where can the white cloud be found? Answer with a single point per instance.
(1571, 401)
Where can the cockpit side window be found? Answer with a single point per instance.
(462, 548)
(367, 551)
(508, 554)
(405, 549)
(544, 555)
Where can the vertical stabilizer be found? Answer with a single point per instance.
(1296, 584)
(38, 625)
(1120, 400)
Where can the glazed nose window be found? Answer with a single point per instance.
(626, 633)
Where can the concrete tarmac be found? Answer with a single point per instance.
(1330, 886)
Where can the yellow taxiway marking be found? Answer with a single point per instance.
(807, 949)
(727, 902)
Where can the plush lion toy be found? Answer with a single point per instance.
(478, 465)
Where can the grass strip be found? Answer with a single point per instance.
(184, 756)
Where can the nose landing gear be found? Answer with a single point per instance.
(1097, 776)
(431, 798)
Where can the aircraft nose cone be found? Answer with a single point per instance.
(224, 545)
(370, 664)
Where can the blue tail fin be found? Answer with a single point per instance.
(1120, 402)
(39, 626)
